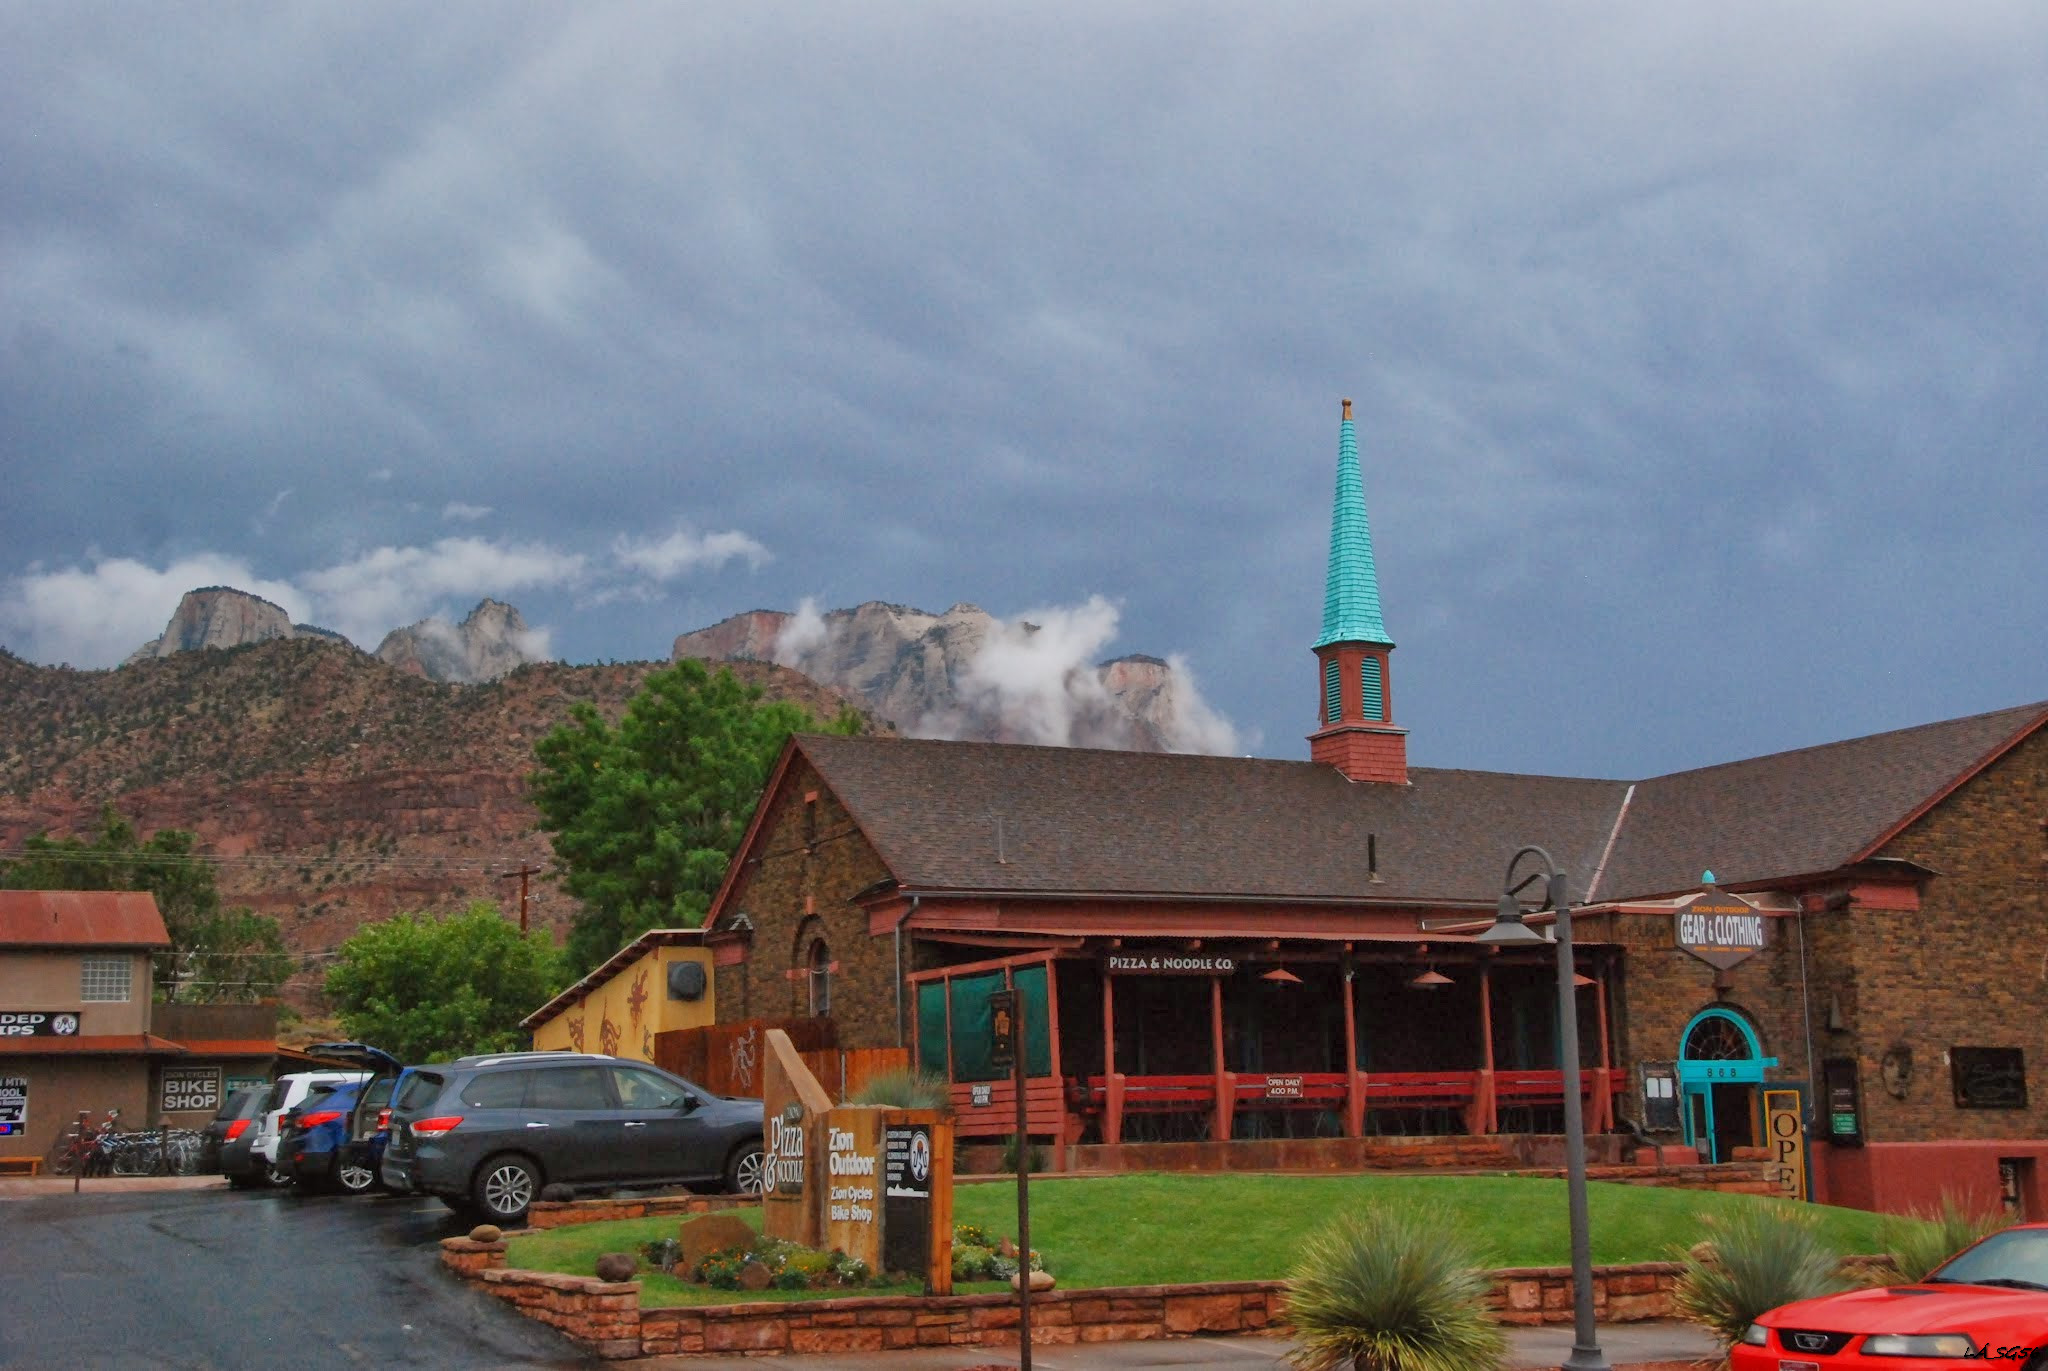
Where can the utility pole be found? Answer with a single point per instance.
(522, 874)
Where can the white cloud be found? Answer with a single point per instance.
(804, 632)
(664, 559)
(95, 616)
(456, 510)
(398, 585)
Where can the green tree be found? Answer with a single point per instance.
(215, 954)
(646, 815)
(427, 989)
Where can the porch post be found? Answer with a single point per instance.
(1226, 1088)
(1354, 1084)
(1112, 1084)
(1603, 1089)
(1488, 1120)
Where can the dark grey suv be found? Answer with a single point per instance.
(486, 1133)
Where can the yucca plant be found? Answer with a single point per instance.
(1753, 1259)
(1918, 1242)
(905, 1087)
(1392, 1289)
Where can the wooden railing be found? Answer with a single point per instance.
(1475, 1095)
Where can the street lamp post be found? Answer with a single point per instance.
(1508, 929)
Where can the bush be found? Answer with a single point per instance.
(1392, 1289)
(1035, 1159)
(906, 1088)
(973, 1263)
(1753, 1260)
(1918, 1242)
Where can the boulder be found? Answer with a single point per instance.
(706, 1234)
(617, 1266)
(756, 1276)
(1040, 1280)
(487, 1232)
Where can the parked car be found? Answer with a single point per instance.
(1989, 1302)
(342, 1149)
(287, 1092)
(486, 1133)
(234, 1117)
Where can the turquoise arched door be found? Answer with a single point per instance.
(1721, 1069)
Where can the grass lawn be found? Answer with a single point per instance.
(1156, 1229)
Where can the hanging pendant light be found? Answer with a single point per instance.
(1431, 979)
(1280, 975)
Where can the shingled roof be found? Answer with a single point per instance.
(998, 817)
(1800, 812)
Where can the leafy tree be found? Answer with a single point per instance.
(427, 989)
(216, 955)
(646, 815)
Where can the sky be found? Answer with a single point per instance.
(1697, 349)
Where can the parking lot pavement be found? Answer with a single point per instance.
(1643, 1345)
(28, 1187)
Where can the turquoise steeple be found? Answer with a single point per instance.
(1351, 592)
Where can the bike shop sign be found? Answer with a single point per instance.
(13, 1106)
(190, 1087)
(19, 1023)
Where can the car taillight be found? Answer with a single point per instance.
(318, 1117)
(236, 1128)
(383, 1120)
(434, 1128)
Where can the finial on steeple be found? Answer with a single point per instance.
(1347, 409)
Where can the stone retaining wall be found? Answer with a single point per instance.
(563, 1213)
(607, 1317)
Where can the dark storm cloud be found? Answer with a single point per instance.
(1697, 349)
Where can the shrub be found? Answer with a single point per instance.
(1918, 1242)
(1035, 1159)
(1392, 1289)
(906, 1088)
(1753, 1259)
(973, 1263)
(972, 1235)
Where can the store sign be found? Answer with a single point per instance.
(1168, 964)
(1283, 1087)
(1721, 929)
(18, 1023)
(190, 1087)
(908, 1159)
(1841, 1101)
(13, 1106)
(1989, 1077)
(1660, 1097)
(1785, 1123)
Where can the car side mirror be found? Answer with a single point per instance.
(690, 1104)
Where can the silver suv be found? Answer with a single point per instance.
(486, 1133)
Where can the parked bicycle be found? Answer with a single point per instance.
(88, 1152)
(156, 1152)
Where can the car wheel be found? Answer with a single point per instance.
(354, 1177)
(505, 1187)
(239, 1181)
(746, 1170)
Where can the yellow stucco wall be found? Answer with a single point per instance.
(607, 1019)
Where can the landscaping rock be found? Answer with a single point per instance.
(557, 1193)
(709, 1233)
(616, 1266)
(1040, 1280)
(755, 1276)
(487, 1232)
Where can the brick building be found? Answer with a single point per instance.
(1229, 948)
(79, 1031)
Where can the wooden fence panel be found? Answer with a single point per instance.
(863, 1064)
(726, 1058)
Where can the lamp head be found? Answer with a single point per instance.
(1508, 925)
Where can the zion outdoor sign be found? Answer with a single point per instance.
(1721, 929)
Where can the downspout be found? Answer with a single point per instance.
(901, 1031)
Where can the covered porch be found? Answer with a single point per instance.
(1193, 1040)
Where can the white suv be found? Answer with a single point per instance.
(289, 1092)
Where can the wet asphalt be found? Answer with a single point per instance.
(198, 1279)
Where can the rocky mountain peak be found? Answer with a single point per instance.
(967, 674)
(221, 616)
(490, 641)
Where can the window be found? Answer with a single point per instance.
(496, 1090)
(644, 1089)
(820, 976)
(106, 980)
(581, 1088)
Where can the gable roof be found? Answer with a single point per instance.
(1021, 820)
(81, 918)
(1084, 821)
(1806, 811)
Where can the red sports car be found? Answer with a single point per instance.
(1987, 1303)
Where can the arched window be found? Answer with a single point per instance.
(818, 972)
(1716, 1035)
